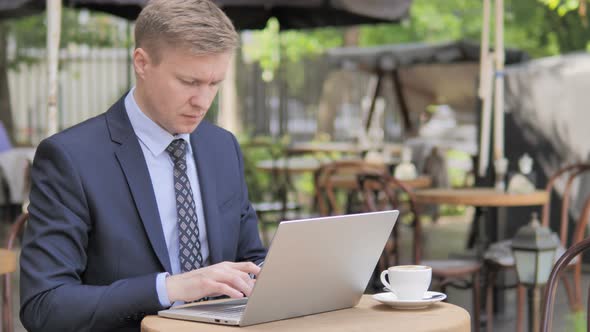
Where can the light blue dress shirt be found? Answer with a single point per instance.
(153, 140)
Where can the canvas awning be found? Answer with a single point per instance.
(419, 72)
(249, 14)
(246, 14)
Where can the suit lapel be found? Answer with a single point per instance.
(134, 167)
(206, 171)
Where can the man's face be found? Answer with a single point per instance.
(176, 92)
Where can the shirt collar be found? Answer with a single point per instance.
(155, 138)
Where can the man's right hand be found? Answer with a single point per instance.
(225, 278)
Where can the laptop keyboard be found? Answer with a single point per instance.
(222, 312)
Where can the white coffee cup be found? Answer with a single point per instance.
(408, 282)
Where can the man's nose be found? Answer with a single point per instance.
(202, 98)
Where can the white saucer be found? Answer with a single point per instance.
(391, 300)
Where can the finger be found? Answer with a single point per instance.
(241, 282)
(237, 280)
(249, 282)
(247, 267)
(225, 289)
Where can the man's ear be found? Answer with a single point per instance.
(141, 61)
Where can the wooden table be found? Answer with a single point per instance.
(292, 165)
(7, 261)
(350, 182)
(324, 147)
(420, 182)
(483, 197)
(298, 165)
(339, 147)
(369, 315)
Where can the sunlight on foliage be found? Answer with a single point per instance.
(526, 26)
(562, 6)
(539, 27)
(78, 27)
(270, 46)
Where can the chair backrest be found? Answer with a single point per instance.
(16, 231)
(382, 192)
(560, 265)
(569, 173)
(340, 176)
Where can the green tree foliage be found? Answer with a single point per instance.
(562, 6)
(540, 27)
(570, 23)
(270, 47)
(430, 21)
(77, 27)
(529, 25)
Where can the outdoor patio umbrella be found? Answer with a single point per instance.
(246, 14)
(292, 14)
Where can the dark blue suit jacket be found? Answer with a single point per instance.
(94, 242)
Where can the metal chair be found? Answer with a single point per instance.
(502, 259)
(383, 192)
(16, 231)
(562, 263)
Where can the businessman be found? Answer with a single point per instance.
(145, 205)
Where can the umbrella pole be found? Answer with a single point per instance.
(486, 117)
(53, 35)
(500, 162)
(485, 91)
(499, 88)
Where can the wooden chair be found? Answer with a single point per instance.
(499, 257)
(562, 264)
(7, 266)
(340, 177)
(382, 192)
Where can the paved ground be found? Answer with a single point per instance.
(446, 236)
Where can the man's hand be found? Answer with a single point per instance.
(225, 278)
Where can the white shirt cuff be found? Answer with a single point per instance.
(161, 289)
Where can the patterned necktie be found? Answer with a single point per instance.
(188, 229)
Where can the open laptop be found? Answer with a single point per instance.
(313, 265)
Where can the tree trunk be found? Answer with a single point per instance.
(5, 108)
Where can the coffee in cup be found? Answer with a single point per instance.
(407, 282)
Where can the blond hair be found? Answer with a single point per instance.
(196, 25)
